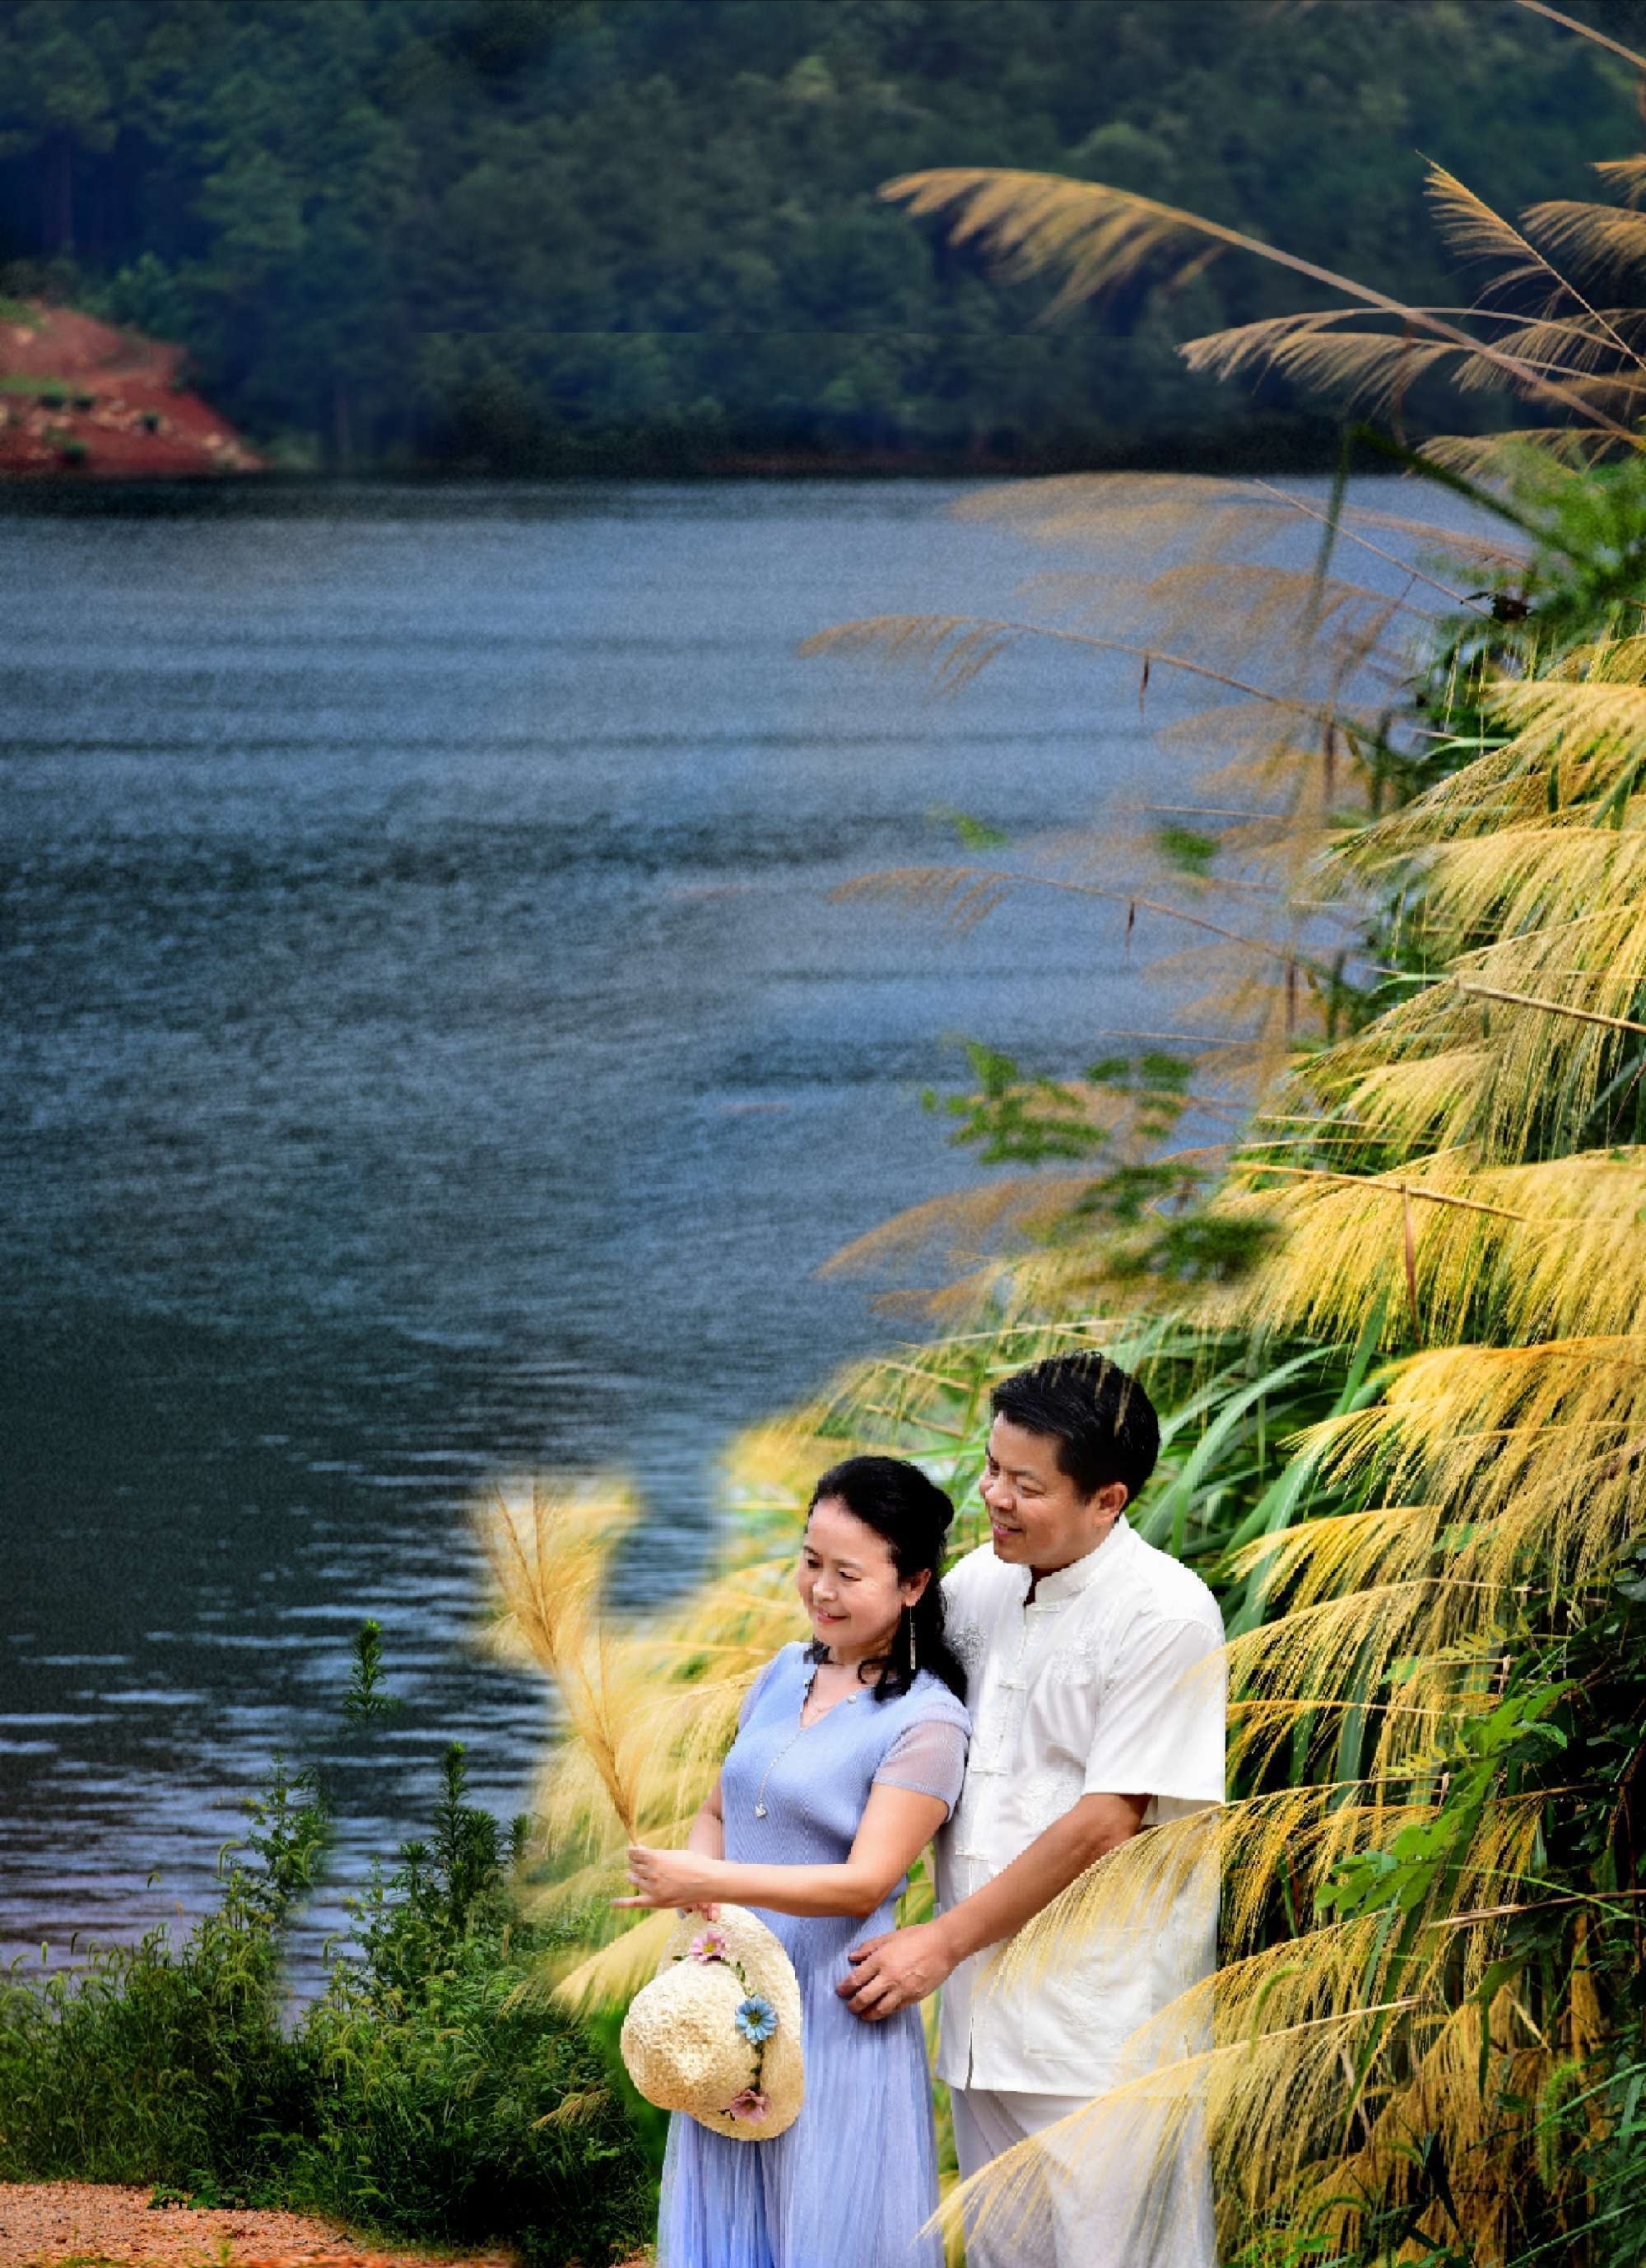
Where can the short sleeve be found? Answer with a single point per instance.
(1160, 1723)
(928, 1756)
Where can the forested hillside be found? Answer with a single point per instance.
(535, 234)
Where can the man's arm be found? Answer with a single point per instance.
(889, 1972)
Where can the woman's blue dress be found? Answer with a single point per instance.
(849, 2184)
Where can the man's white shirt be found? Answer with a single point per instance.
(1109, 1682)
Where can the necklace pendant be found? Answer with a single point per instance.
(760, 1811)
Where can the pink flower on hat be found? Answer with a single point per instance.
(710, 1945)
(750, 2104)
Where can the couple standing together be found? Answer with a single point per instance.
(1058, 1691)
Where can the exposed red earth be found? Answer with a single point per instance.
(80, 400)
(103, 2225)
(56, 2222)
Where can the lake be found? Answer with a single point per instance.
(431, 1055)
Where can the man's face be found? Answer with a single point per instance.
(1036, 1517)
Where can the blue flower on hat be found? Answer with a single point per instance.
(757, 2019)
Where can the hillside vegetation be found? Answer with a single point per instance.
(539, 234)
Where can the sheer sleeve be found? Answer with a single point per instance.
(928, 1756)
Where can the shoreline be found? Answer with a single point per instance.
(142, 492)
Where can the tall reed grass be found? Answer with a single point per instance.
(1391, 1305)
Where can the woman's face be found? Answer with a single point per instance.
(849, 1584)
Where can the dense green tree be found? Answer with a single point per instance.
(534, 233)
(57, 99)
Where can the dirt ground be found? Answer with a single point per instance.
(80, 400)
(49, 2224)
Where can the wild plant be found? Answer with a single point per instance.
(427, 2093)
(1390, 1310)
(165, 2061)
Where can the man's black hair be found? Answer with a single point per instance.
(1104, 1423)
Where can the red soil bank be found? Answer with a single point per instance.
(103, 2225)
(82, 400)
(43, 2223)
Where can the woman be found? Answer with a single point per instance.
(848, 1757)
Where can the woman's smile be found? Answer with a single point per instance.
(849, 1585)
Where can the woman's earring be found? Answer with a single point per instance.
(913, 1661)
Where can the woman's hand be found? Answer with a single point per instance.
(671, 1878)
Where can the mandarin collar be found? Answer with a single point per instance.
(1068, 1582)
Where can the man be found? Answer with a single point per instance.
(1096, 1693)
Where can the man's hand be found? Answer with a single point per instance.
(895, 1971)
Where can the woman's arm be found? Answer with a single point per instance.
(706, 1835)
(897, 1825)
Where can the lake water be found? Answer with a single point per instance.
(430, 1054)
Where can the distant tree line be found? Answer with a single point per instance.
(540, 234)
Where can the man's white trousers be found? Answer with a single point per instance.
(1100, 2195)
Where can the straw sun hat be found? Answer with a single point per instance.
(717, 2032)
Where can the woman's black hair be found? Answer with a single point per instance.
(913, 1514)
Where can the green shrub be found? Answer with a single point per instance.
(452, 2102)
(165, 2062)
(428, 2094)
(450, 2111)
